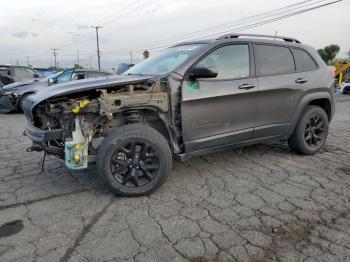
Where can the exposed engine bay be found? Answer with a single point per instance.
(80, 121)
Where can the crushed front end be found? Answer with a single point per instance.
(72, 126)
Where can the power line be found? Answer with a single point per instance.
(270, 20)
(132, 10)
(98, 46)
(249, 26)
(118, 12)
(230, 24)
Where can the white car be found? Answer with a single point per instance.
(345, 88)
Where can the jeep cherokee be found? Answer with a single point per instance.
(190, 99)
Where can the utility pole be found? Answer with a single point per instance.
(98, 46)
(27, 58)
(78, 57)
(131, 57)
(55, 55)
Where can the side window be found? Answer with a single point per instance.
(303, 61)
(5, 71)
(232, 61)
(23, 72)
(273, 60)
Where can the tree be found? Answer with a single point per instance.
(329, 53)
(77, 66)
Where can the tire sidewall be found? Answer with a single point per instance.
(120, 138)
(311, 111)
(21, 99)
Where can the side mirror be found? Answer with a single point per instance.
(203, 72)
(52, 80)
(36, 75)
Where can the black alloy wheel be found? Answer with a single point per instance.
(314, 131)
(311, 131)
(134, 164)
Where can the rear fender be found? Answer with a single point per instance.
(306, 100)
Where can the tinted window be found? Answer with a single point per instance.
(303, 61)
(273, 60)
(232, 61)
(23, 72)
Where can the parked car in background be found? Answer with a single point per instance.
(12, 95)
(10, 74)
(122, 67)
(45, 72)
(345, 88)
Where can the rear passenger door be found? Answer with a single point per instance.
(282, 82)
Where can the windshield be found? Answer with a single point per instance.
(164, 62)
(51, 76)
(65, 76)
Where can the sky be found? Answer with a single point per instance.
(32, 28)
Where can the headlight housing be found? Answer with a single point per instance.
(10, 93)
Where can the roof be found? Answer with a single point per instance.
(18, 66)
(91, 70)
(245, 37)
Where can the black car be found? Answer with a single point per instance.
(10, 74)
(12, 95)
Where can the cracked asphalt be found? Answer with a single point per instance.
(259, 203)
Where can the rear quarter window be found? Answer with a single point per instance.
(273, 60)
(303, 61)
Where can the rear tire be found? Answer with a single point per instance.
(134, 161)
(311, 132)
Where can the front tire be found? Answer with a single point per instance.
(311, 132)
(135, 160)
(20, 102)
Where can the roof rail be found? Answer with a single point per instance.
(234, 35)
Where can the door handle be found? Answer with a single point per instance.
(301, 81)
(246, 86)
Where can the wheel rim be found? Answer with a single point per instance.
(314, 131)
(134, 164)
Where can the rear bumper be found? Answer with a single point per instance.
(38, 135)
(7, 104)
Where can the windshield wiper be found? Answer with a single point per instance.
(130, 74)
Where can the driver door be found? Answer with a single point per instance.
(220, 111)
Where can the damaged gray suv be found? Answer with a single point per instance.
(191, 99)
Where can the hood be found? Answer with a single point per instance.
(24, 86)
(77, 86)
(13, 86)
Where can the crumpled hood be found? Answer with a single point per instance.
(77, 86)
